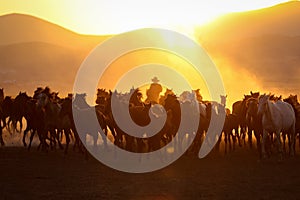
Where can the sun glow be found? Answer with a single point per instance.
(110, 17)
(100, 17)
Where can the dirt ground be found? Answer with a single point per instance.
(237, 175)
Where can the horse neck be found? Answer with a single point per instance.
(1, 99)
(251, 110)
(80, 103)
(269, 113)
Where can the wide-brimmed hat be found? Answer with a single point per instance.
(155, 80)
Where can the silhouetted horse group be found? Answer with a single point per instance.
(264, 115)
(45, 116)
(50, 117)
(129, 106)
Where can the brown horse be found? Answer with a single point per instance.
(1, 115)
(292, 100)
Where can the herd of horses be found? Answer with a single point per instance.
(269, 118)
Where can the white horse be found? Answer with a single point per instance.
(88, 121)
(277, 117)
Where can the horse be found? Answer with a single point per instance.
(292, 99)
(230, 124)
(49, 113)
(128, 109)
(7, 105)
(277, 117)
(33, 122)
(67, 115)
(239, 109)
(1, 115)
(86, 113)
(191, 112)
(18, 111)
(254, 123)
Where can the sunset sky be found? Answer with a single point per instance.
(113, 16)
(99, 17)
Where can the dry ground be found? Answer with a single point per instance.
(237, 175)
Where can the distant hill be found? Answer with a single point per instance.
(260, 46)
(282, 19)
(20, 28)
(25, 66)
(34, 52)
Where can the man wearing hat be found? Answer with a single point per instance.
(154, 91)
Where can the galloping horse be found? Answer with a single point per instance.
(18, 110)
(1, 115)
(277, 117)
(49, 112)
(292, 99)
(254, 122)
(88, 126)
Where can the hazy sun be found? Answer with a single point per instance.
(114, 16)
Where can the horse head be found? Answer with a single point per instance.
(262, 103)
(102, 96)
(252, 108)
(42, 100)
(80, 101)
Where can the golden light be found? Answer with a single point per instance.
(108, 17)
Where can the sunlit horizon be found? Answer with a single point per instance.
(113, 17)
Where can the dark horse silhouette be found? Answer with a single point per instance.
(1, 115)
(48, 111)
(18, 110)
(292, 99)
(239, 109)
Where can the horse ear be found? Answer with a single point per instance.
(251, 93)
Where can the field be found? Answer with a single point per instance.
(237, 175)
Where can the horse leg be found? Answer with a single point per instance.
(258, 143)
(56, 135)
(298, 140)
(95, 140)
(284, 141)
(24, 136)
(31, 138)
(1, 138)
(250, 138)
(293, 138)
(217, 146)
(52, 139)
(127, 142)
(21, 126)
(67, 135)
(140, 145)
(226, 141)
(263, 149)
(9, 124)
(230, 141)
(104, 138)
(289, 143)
(279, 146)
(236, 132)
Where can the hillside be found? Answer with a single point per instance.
(20, 28)
(260, 48)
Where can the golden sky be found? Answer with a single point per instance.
(115, 16)
(99, 17)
